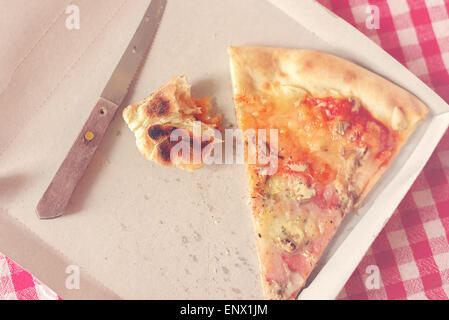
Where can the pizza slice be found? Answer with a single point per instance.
(155, 118)
(339, 126)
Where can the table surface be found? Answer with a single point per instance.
(410, 257)
(411, 254)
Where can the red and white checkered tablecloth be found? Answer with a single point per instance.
(411, 254)
(18, 284)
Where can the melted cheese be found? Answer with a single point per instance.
(315, 132)
(282, 230)
(286, 186)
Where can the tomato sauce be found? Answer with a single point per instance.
(316, 117)
(364, 129)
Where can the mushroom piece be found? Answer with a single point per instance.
(341, 127)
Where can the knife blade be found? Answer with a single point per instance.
(57, 196)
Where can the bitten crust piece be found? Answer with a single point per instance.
(339, 126)
(154, 118)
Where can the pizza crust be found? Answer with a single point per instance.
(323, 74)
(154, 118)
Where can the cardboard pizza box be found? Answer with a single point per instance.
(135, 230)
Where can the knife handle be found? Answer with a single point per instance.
(57, 196)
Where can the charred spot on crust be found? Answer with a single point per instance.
(158, 131)
(186, 144)
(349, 76)
(164, 149)
(309, 65)
(266, 60)
(159, 106)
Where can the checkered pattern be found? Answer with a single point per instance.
(410, 257)
(18, 284)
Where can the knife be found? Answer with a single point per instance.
(56, 198)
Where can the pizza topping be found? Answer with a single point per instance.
(276, 290)
(298, 167)
(301, 190)
(347, 195)
(311, 228)
(356, 105)
(398, 121)
(205, 106)
(295, 228)
(287, 241)
(288, 234)
(287, 186)
(341, 127)
(286, 289)
(311, 126)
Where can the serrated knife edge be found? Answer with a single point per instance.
(134, 55)
(55, 199)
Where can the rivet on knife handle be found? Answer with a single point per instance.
(57, 196)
